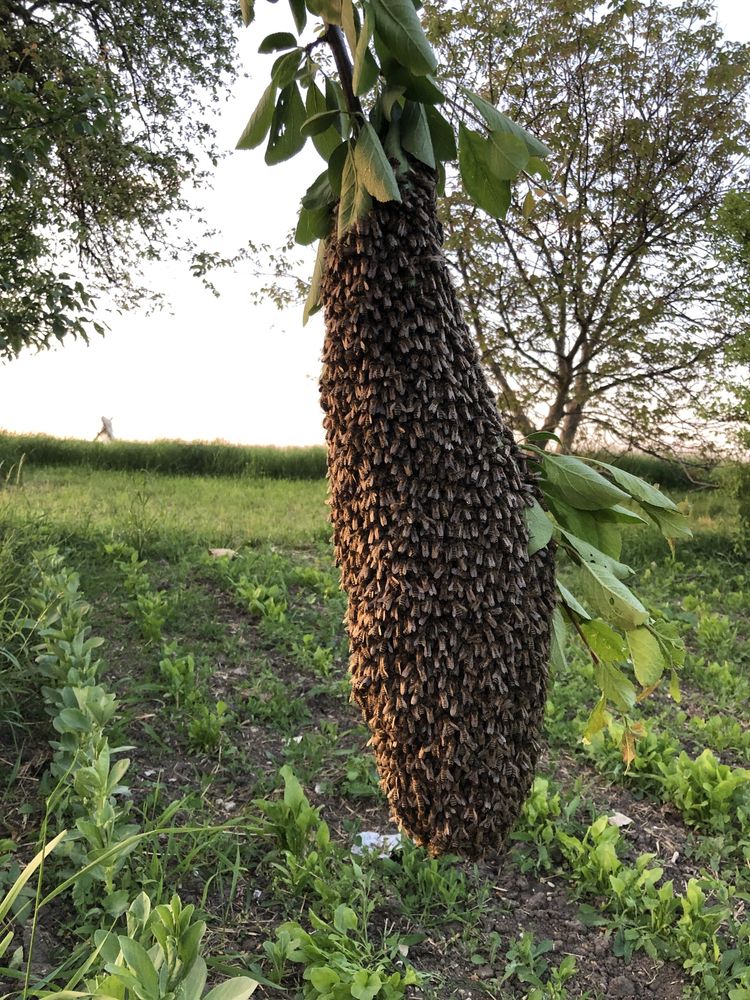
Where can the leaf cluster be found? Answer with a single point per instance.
(375, 118)
(632, 647)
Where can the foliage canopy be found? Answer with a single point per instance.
(599, 308)
(103, 121)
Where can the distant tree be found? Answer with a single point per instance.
(731, 231)
(599, 308)
(103, 122)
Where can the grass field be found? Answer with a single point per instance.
(222, 680)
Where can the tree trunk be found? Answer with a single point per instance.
(448, 616)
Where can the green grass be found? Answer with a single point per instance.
(167, 512)
(243, 671)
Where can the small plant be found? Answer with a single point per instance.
(158, 958)
(340, 962)
(207, 724)
(149, 607)
(269, 602)
(643, 913)
(525, 962)
(720, 732)
(708, 793)
(151, 610)
(311, 655)
(537, 826)
(360, 778)
(434, 891)
(592, 860)
(178, 670)
(291, 823)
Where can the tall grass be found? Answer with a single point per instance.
(214, 458)
(193, 458)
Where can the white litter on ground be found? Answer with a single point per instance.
(370, 840)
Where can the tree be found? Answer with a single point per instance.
(597, 306)
(731, 232)
(103, 111)
(446, 552)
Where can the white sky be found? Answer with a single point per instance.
(208, 368)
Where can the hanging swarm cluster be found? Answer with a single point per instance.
(448, 616)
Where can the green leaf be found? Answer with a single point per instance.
(335, 98)
(6, 901)
(674, 688)
(389, 99)
(638, 488)
(498, 122)
(540, 527)
(603, 641)
(615, 686)
(366, 70)
(671, 523)
(344, 919)
(609, 596)
(318, 123)
(260, 121)
(590, 554)
(365, 985)
(349, 23)
(286, 138)
(319, 194)
(323, 978)
(347, 214)
(72, 720)
(328, 10)
(648, 657)
(398, 24)
(313, 303)
(598, 527)
(415, 133)
(598, 719)
(621, 515)
(538, 168)
(315, 104)
(247, 9)
(393, 147)
(572, 603)
(191, 987)
(580, 485)
(422, 89)
(285, 68)
(294, 796)
(239, 988)
(442, 134)
(336, 167)
(372, 166)
(354, 200)
(138, 959)
(558, 660)
(475, 164)
(299, 13)
(276, 41)
(509, 155)
(313, 224)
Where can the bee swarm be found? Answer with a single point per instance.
(448, 617)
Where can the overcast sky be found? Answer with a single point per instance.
(208, 368)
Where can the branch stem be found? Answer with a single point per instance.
(335, 38)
